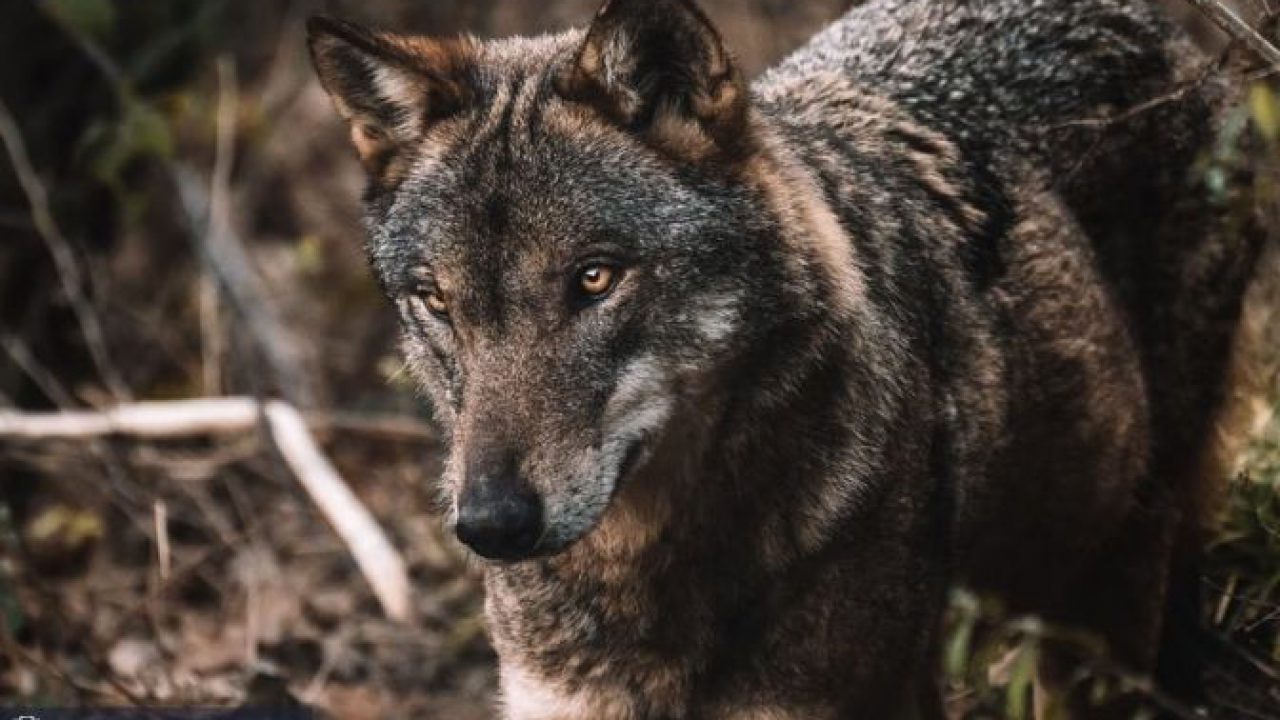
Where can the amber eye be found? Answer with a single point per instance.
(597, 280)
(436, 303)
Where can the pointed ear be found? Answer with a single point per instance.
(659, 67)
(390, 89)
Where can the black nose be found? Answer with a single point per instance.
(500, 517)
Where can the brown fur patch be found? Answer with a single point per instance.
(822, 246)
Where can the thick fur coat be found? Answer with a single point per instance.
(935, 301)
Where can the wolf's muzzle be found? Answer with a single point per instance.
(499, 517)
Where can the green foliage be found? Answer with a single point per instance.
(1265, 108)
(1018, 691)
(145, 53)
(992, 661)
(989, 658)
(1246, 556)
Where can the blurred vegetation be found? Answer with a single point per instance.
(990, 657)
(116, 102)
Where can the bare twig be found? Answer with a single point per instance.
(286, 78)
(211, 347)
(70, 275)
(112, 71)
(1236, 27)
(208, 213)
(21, 356)
(164, 555)
(58, 394)
(1176, 94)
(224, 150)
(381, 564)
(152, 420)
(186, 418)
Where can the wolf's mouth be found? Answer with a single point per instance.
(631, 459)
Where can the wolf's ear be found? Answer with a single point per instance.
(659, 67)
(390, 89)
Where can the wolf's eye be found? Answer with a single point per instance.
(597, 280)
(436, 303)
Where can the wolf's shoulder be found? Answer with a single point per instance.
(980, 65)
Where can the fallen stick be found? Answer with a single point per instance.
(187, 418)
(183, 418)
(377, 559)
(1236, 27)
(373, 553)
(208, 210)
(70, 273)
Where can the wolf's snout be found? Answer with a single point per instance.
(499, 516)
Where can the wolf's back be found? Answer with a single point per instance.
(1056, 80)
(1111, 104)
(1004, 74)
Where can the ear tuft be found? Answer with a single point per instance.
(659, 67)
(389, 88)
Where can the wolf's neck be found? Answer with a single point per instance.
(688, 560)
(683, 562)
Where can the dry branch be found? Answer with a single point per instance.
(381, 565)
(18, 352)
(1237, 28)
(164, 554)
(187, 418)
(153, 420)
(70, 275)
(208, 213)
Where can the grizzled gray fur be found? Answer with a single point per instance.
(739, 379)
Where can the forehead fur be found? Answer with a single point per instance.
(524, 167)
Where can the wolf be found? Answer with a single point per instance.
(737, 379)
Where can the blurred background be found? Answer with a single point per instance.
(179, 219)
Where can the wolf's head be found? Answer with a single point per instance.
(566, 227)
